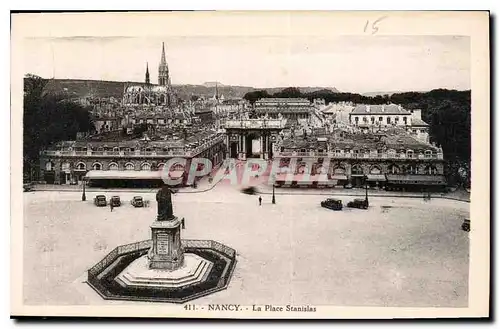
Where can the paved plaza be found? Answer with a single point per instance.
(400, 252)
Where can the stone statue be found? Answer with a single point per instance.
(165, 208)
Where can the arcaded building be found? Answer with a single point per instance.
(393, 159)
(115, 160)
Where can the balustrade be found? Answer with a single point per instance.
(355, 155)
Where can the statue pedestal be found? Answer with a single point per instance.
(166, 252)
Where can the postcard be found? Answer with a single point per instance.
(250, 165)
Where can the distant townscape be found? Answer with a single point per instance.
(123, 133)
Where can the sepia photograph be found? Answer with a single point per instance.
(251, 165)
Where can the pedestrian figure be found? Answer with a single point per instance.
(260, 200)
(183, 224)
(111, 206)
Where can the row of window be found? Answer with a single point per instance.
(375, 170)
(159, 121)
(409, 153)
(49, 166)
(380, 119)
(118, 149)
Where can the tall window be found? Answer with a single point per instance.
(388, 120)
(145, 166)
(177, 167)
(49, 166)
(357, 170)
(372, 119)
(431, 170)
(65, 166)
(97, 166)
(356, 120)
(410, 169)
(375, 170)
(393, 169)
(81, 166)
(405, 120)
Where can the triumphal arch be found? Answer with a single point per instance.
(253, 137)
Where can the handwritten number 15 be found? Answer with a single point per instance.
(374, 25)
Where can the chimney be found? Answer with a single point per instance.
(417, 114)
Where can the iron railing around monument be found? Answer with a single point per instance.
(145, 244)
(101, 287)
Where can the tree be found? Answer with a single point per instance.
(253, 96)
(48, 119)
(291, 92)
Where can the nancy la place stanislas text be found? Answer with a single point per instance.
(252, 308)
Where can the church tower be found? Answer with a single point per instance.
(163, 76)
(147, 74)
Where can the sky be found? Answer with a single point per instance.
(349, 63)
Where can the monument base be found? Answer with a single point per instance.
(195, 269)
(167, 252)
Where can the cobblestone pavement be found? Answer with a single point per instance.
(399, 252)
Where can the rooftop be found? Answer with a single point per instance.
(288, 109)
(283, 100)
(165, 138)
(380, 109)
(359, 141)
(418, 122)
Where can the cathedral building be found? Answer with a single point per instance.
(151, 94)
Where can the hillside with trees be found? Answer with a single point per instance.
(448, 113)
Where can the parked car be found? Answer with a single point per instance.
(332, 204)
(137, 202)
(249, 190)
(466, 225)
(115, 201)
(100, 201)
(358, 203)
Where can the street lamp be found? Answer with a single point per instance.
(366, 189)
(274, 197)
(84, 197)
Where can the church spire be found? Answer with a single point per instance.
(163, 76)
(163, 60)
(147, 74)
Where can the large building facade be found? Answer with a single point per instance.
(392, 160)
(70, 161)
(296, 109)
(390, 115)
